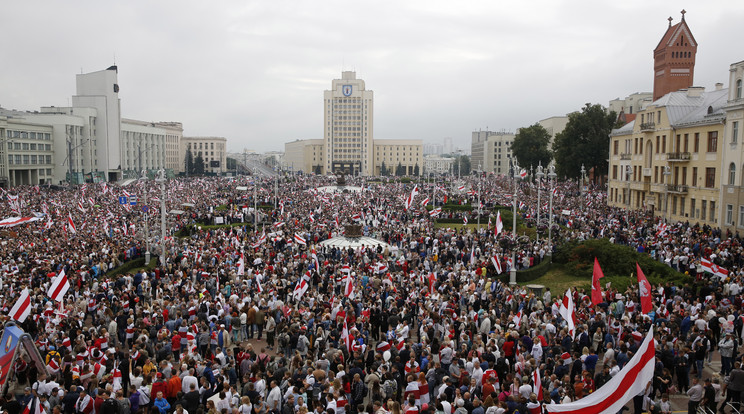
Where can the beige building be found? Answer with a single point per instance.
(491, 151)
(554, 125)
(143, 147)
(732, 190)
(348, 143)
(212, 149)
(668, 160)
(394, 153)
(631, 104)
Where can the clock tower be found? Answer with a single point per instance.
(674, 59)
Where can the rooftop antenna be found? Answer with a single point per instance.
(114, 58)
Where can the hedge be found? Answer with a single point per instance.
(133, 264)
(618, 263)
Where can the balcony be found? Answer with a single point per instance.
(647, 172)
(678, 156)
(648, 126)
(676, 188)
(625, 156)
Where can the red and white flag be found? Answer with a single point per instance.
(517, 319)
(644, 291)
(626, 384)
(464, 219)
(435, 212)
(409, 200)
(299, 239)
(349, 285)
(34, 407)
(71, 224)
(499, 223)
(22, 307)
(596, 288)
(537, 385)
(425, 202)
(523, 173)
(241, 265)
(496, 263)
(568, 312)
(300, 289)
(59, 287)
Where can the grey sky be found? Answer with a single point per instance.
(255, 71)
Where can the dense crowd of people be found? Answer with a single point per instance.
(424, 324)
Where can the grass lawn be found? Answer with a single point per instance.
(558, 281)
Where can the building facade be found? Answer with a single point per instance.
(438, 165)
(732, 188)
(348, 121)
(491, 151)
(27, 156)
(213, 151)
(348, 145)
(668, 160)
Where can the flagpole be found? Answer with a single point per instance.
(513, 269)
(551, 178)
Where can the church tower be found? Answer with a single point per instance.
(674, 59)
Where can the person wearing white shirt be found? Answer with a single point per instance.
(275, 398)
(187, 380)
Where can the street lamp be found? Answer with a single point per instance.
(479, 196)
(147, 216)
(539, 176)
(161, 180)
(551, 177)
(513, 270)
(583, 178)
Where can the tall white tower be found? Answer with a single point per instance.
(100, 90)
(348, 126)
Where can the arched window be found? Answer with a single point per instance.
(738, 89)
(732, 174)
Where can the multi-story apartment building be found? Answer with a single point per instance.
(213, 151)
(732, 188)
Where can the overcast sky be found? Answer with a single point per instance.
(255, 71)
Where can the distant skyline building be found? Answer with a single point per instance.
(348, 145)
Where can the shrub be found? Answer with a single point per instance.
(618, 263)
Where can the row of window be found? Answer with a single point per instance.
(45, 136)
(676, 178)
(29, 159)
(25, 146)
(729, 216)
(682, 145)
(707, 210)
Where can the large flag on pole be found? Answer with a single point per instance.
(568, 312)
(499, 223)
(644, 291)
(59, 287)
(596, 288)
(629, 382)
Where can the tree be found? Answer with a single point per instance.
(189, 161)
(199, 165)
(416, 170)
(530, 146)
(383, 169)
(400, 170)
(586, 140)
(231, 164)
(461, 165)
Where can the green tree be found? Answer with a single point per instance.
(231, 164)
(461, 165)
(189, 161)
(416, 170)
(586, 140)
(199, 165)
(400, 170)
(531, 146)
(383, 169)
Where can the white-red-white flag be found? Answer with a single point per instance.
(626, 384)
(496, 263)
(568, 312)
(71, 224)
(60, 286)
(299, 239)
(22, 307)
(499, 223)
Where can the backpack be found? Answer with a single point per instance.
(301, 345)
(388, 388)
(110, 406)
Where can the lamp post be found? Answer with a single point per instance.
(539, 176)
(583, 178)
(255, 201)
(628, 172)
(551, 177)
(479, 196)
(513, 270)
(667, 173)
(161, 180)
(147, 216)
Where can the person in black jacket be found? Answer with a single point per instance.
(191, 399)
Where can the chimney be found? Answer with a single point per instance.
(695, 91)
(719, 86)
